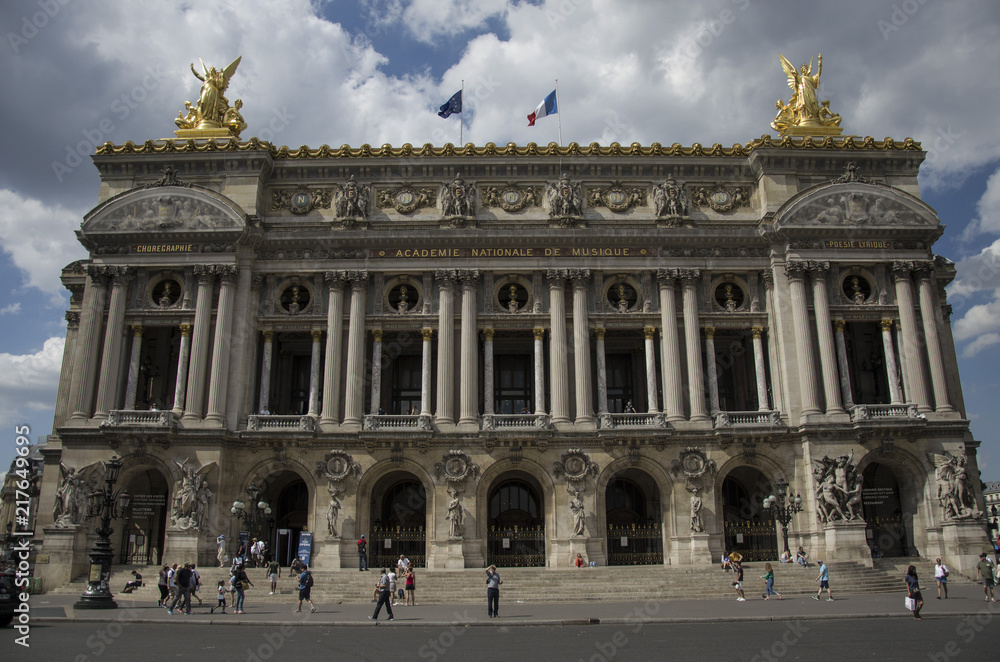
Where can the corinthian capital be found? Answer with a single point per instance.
(901, 269)
(226, 272)
(359, 279)
(446, 277)
(818, 268)
(795, 269)
(468, 277)
(579, 277)
(689, 275)
(335, 279)
(666, 277)
(557, 277)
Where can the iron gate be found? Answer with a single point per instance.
(635, 544)
(388, 543)
(516, 546)
(756, 540)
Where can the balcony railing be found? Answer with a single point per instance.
(881, 412)
(268, 422)
(516, 421)
(140, 418)
(610, 421)
(397, 422)
(732, 419)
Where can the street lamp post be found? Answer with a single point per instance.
(108, 504)
(256, 514)
(782, 510)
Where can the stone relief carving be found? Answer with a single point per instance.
(838, 488)
(955, 492)
(458, 199)
(575, 465)
(351, 200)
(720, 251)
(310, 254)
(693, 463)
(721, 198)
(565, 198)
(76, 485)
(456, 466)
(406, 199)
(616, 197)
(301, 200)
(154, 210)
(511, 198)
(338, 465)
(669, 199)
(855, 208)
(189, 507)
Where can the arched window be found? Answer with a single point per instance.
(514, 503)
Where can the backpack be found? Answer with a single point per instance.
(309, 580)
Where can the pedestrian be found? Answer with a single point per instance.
(273, 572)
(941, 573)
(171, 584)
(768, 578)
(392, 587)
(183, 595)
(411, 588)
(493, 582)
(161, 583)
(362, 554)
(738, 584)
(984, 573)
(824, 582)
(222, 599)
(241, 583)
(384, 597)
(305, 590)
(913, 592)
(196, 584)
(579, 562)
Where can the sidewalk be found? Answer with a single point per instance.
(965, 600)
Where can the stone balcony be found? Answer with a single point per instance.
(516, 422)
(743, 419)
(140, 418)
(273, 422)
(398, 422)
(610, 421)
(884, 412)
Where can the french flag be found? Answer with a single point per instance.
(545, 108)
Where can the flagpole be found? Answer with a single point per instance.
(461, 116)
(559, 112)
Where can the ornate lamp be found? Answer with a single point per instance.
(256, 514)
(107, 504)
(781, 510)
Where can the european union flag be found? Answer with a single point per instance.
(453, 106)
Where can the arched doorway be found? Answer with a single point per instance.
(885, 521)
(143, 528)
(290, 496)
(515, 522)
(635, 529)
(748, 528)
(399, 519)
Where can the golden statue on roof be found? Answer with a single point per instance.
(211, 116)
(805, 114)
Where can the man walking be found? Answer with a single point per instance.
(183, 581)
(984, 573)
(738, 584)
(171, 585)
(384, 597)
(305, 590)
(493, 582)
(362, 554)
(273, 572)
(824, 582)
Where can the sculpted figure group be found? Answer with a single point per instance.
(838, 489)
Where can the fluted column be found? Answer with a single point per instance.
(425, 373)
(194, 402)
(376, 399)
(824, 334)
(602, 373)
(692, 342)
(133, 367)
(917, 388)
(446, 347)
(219, 383)
(469, 369)
(317, 336)
(649, 332)
(845, 372)
(85, 361)
(558, 370)
(670, 347)
(539, 334)
(891, 373)
(713, 374)
(938, 380)
(758, 368)
(335, 281)
(777, 379)
(488, 371)
(581, 348)
(180, 381)
(108, 384)
(355, 383)
(265, 372)
(803, 339)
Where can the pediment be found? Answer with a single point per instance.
(856, 204)
(165, 209)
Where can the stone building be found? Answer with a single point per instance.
(512, 355)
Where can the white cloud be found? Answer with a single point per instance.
(429, 19)
(11, 309)
(30, 382)
(980, 343)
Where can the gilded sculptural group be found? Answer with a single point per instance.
(804, 113)
(211, 112)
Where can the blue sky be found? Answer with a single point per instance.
(75, 74)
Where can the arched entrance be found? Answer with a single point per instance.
(515, 522)
(290, 496)
(748, 528)
(399, 519)
(634, 520)
(143, 528)
(885, 520)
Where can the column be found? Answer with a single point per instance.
(85, 362)
(670, 347)
(539, 334)
(795, 271)
(558, 373)
(108, 383)
(581, 348)
(265, 372)
(488, 371)
(180, 383)
(602, 373)
(376, 399)
(917, 388)
(219, 383)
(469, 369)
(648, 332)
(938, 380)
(354, 400)
(335, 281)
(692, 342)
(891, 374)
(845, 372)
(425, 373)
(317, 335)
(713, 374)
(824, 334)
(194, 402)
(133, 367)
(446, 346)
(758, 367)
(777, 378)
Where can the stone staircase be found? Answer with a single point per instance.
(536, 585)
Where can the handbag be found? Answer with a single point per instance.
(910, 603)
(245, 586)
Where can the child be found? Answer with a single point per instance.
(222, 598)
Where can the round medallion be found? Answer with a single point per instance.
(616, 197)
(405, 198)
(301, 202)
(721, 198)
(694, 464)
(511, 197)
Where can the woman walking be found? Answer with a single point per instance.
(161, 583)
(768, 578)
(411, 589)
(240, 582)
(913, 592)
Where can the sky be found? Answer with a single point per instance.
(75, 74)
